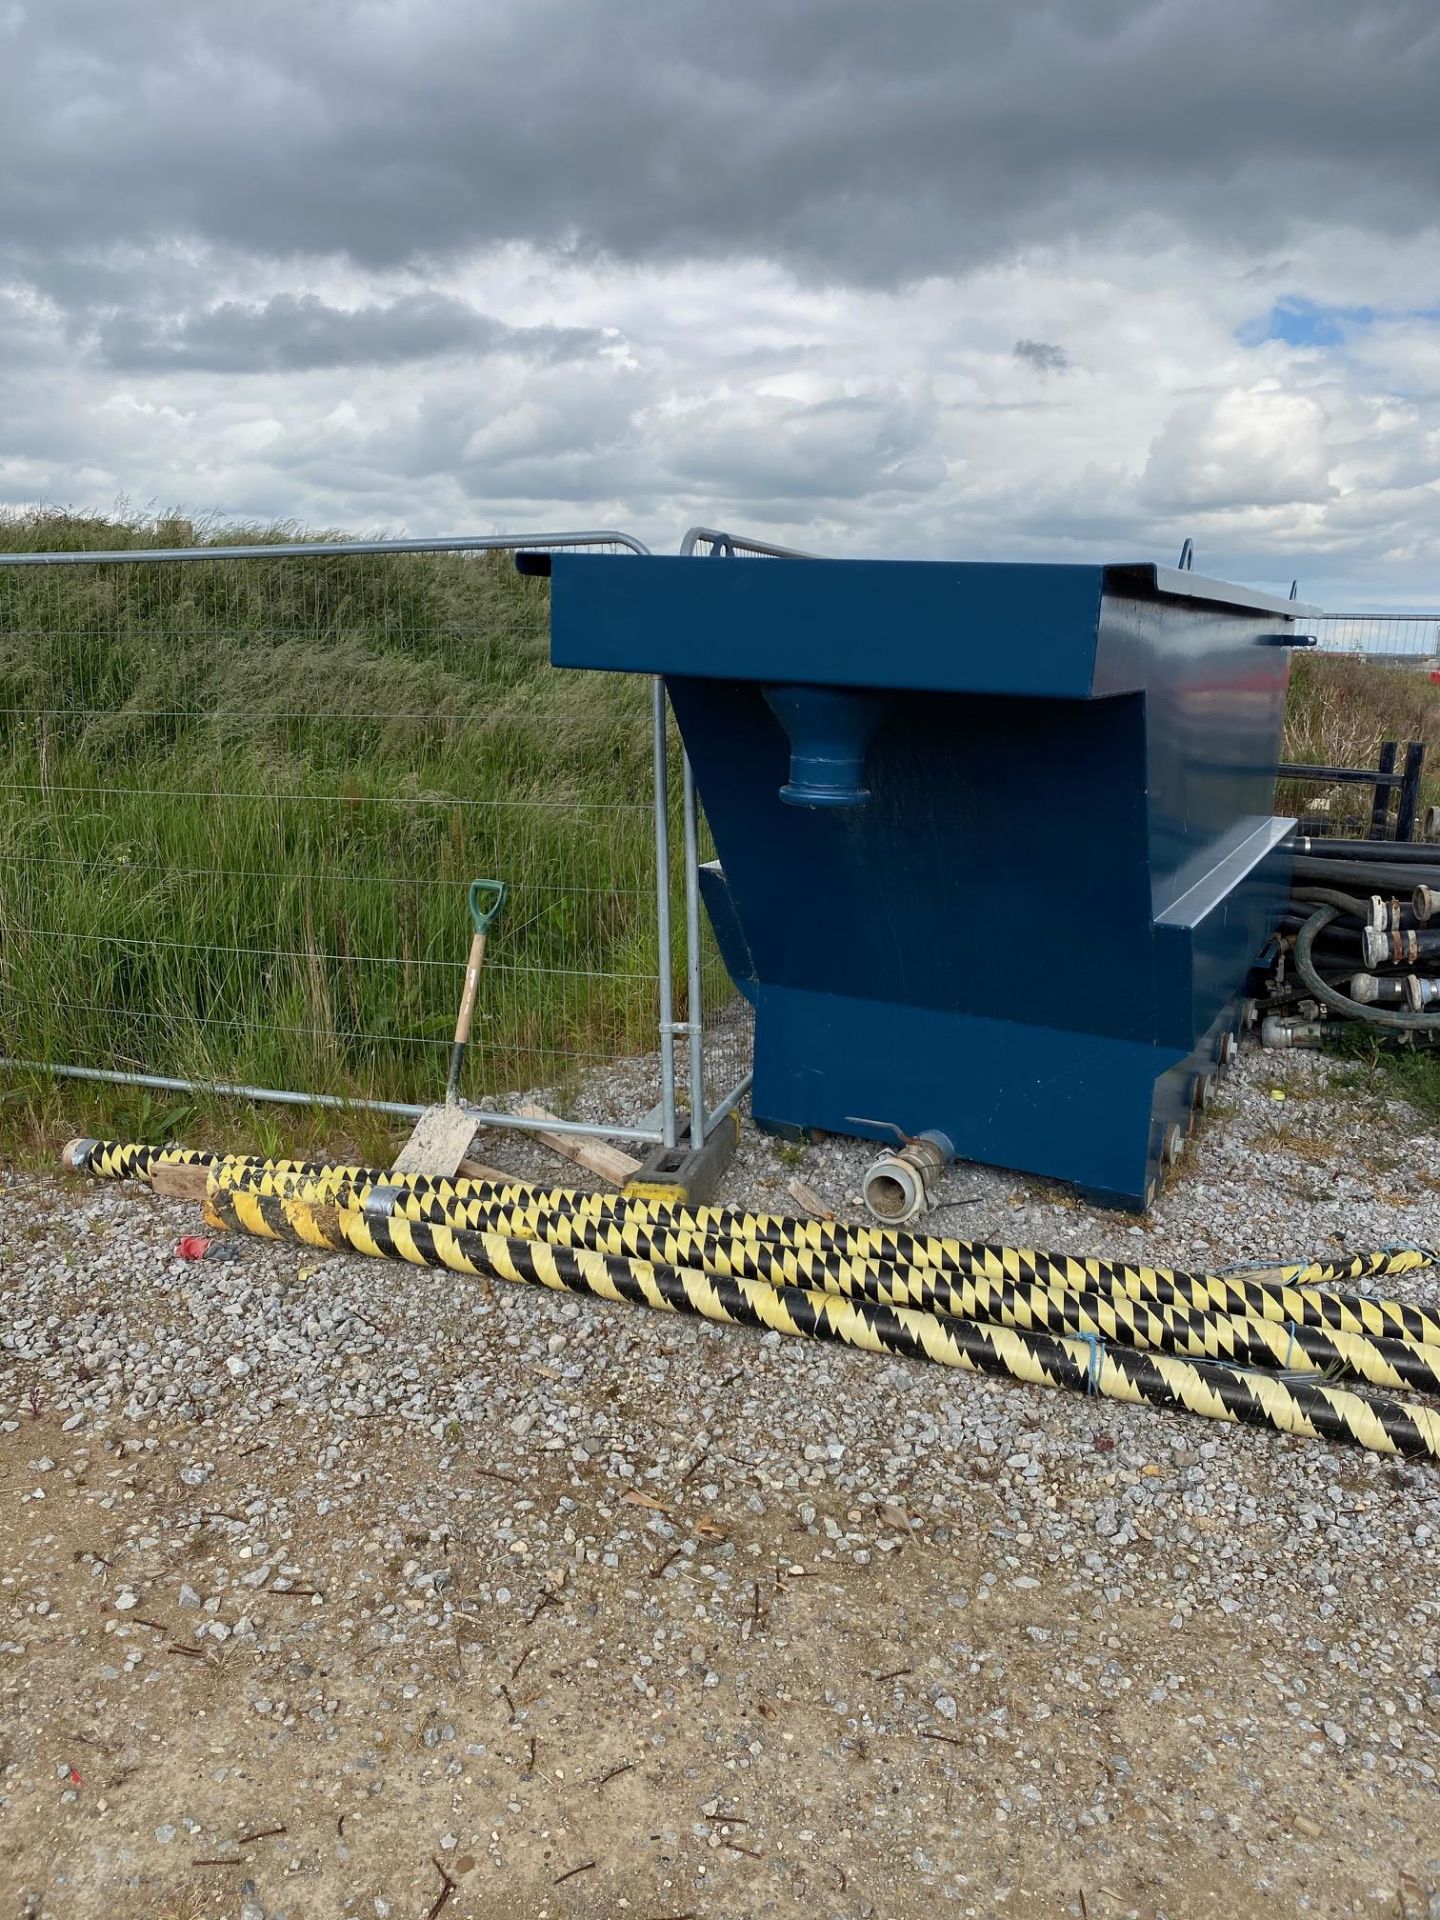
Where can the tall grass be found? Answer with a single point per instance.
(243, 801)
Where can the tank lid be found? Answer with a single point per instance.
(1145, 580)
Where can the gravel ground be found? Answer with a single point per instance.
(332, 1587)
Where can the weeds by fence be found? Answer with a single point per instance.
(1340, 710)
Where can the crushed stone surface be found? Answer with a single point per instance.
(333, 1587)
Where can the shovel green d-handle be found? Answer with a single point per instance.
(484, 916)
(486, 899)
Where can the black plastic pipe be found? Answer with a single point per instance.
(1370, 876)
(1408, 853)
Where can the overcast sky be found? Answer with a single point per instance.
(1067, 280)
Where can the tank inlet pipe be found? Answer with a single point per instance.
(901, 1184)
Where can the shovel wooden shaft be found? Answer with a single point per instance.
(466, 1015)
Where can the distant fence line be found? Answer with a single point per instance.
(1413, 636)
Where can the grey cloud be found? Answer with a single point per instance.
(853, 141)
(1043, 355)
(300, 333)
(834, 449)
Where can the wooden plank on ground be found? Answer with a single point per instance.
(596, 1156)
(477, 1170)
(178, 1183)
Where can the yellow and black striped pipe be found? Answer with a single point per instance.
(1392, 1363)
(672, 1235)
(1213, 1391)
(475, 1203)
(329, 1225)
(1188, 1324)
(927, 1287)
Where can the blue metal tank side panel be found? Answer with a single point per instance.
(1211, 935)
(725, 924)
(1215, 686)
(999, 864)
(964, 627)
(1038, 1099)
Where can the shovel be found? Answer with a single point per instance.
(442, 1135)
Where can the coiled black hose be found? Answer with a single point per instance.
(1331, 996)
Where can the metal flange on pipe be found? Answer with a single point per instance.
(1223, 1347)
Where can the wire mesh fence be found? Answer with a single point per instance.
(244, 795)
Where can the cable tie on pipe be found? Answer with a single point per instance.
(1097, 1354)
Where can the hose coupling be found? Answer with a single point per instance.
(1389, 949)
(901, 1183)
(1275, 1032)
(1426, 903)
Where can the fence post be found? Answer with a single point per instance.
(1380, 810)
(665, 935)
(693, 1008)
(1410, 791)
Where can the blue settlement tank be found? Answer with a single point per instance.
(996, 841)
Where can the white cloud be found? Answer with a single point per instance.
(852, 420)
(1254, 446)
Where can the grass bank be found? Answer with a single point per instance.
(243, 801)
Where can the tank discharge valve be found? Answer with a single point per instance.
(901, 1184)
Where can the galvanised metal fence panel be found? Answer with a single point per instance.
(1398, 636)
(245, 790)
(722, 1040)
